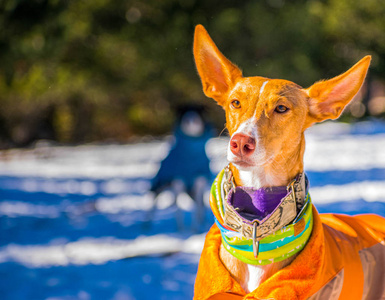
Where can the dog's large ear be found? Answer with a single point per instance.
(217, 73)
(328, 98)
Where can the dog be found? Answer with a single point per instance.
(268, 240)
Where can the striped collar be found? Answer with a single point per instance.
(278, 242)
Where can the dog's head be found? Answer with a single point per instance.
(266, 118)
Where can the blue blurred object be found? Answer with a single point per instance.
(187, 159)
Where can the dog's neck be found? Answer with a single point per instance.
(278, 173)
(250, 276)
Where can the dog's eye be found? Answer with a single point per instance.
(281, 109)
(236, 104)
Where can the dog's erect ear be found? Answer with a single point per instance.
(217, 73)
(328, 98)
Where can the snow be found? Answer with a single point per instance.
(345, 152)
(99, 251)
(77, 222)
(89, 161)
(368, 191)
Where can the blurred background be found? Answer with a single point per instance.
(82, 71)
(92, 98)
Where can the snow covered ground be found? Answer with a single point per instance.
(75, 221)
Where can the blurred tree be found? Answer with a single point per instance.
(354, 29)
(78, 71)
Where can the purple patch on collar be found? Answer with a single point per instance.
(253, 204)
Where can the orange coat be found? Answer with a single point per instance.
(344, 259)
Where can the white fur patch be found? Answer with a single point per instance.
(248, 127)
(263, 87)
(251, 177)
(256, 274)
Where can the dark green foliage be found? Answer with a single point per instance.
(79, 70)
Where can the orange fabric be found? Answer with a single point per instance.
(213, 277)
(333, 246)
(226, 296)
(349, 235)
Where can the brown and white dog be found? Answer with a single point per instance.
(266, 120)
